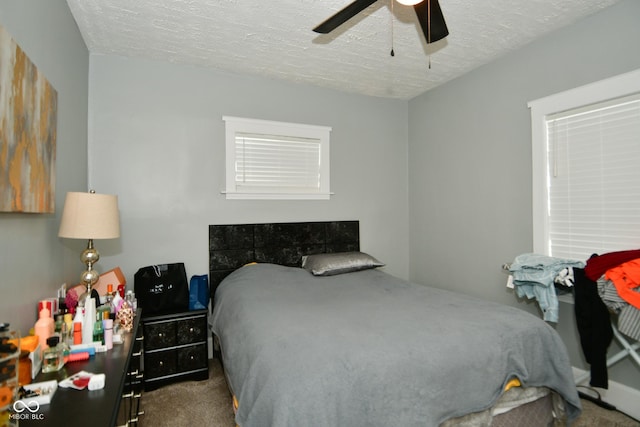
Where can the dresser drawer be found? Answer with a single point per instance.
(193, 357)
(192, 330)
(160, 363)
(159, 335)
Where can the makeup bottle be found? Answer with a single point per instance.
(98, 332)
(44, 328)
(89, 321)
(68, 320)
(77, 332)
(108, 333)
(53, 358)
(125, 316)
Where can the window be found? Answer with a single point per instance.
(276, 160)
(586, 166)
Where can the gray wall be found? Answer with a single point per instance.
(34, 262)
(470, 158)
(156, 139)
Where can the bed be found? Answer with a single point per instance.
(360, 347)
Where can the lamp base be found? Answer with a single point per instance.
(89, 277)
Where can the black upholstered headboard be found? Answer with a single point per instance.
(232, 246)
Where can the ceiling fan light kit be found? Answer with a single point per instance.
(428, 12)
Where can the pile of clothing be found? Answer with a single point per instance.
(609, 284)
(606, 284)
(617, 275)
(535, 276)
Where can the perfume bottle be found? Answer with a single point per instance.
(131, 297)
(98, 332)
(53, 358)
(125, 316)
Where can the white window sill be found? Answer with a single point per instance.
(276, 196)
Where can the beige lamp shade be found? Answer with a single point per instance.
(409, 2)
(90, 216)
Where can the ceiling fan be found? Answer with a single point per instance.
(428, 12)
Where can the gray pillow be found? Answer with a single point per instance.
(338, 263)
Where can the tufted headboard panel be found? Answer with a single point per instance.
(234, 245)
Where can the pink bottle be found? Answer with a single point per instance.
(44, 328)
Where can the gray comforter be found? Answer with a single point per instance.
(369, 349)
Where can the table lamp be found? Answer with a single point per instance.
(90, 216)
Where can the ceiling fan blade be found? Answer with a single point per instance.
(343, 16)
(433, 25)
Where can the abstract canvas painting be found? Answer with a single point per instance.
(28, 118)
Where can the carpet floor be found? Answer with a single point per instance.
(208, 403)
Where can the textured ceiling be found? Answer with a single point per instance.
(275, 38)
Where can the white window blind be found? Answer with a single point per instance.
(594, 178)
(276, 160)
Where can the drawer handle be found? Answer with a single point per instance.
(191, 329)
(191, 357)
(137, 354)
(140, 338)
(160, 335)
(161, 363)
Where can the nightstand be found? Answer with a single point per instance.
(175, 348)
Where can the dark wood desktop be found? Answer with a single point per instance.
(70, 407)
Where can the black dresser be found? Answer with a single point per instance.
(118, 403)
(175, 348)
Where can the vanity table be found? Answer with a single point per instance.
(118, 403)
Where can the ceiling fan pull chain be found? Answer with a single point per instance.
(429, 20)
(391, 21)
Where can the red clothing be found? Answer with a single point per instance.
(597, 265)
(626, 277)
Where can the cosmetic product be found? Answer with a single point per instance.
(116, 303)
(98, 332)
(125, 316)
(131, 297)
(53, 357)
(75, 357)
(68, 320)
(44, 327)
(65, 339)
(77, 333)
(108, 333)
(88, 321)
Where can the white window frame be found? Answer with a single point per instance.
(239, 125)
(611, 88)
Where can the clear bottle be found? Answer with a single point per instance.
(131, 298)
(53, 358)
(125, 316)
(98, 332)
(68, 321)
(66, 340)
(59, 319)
